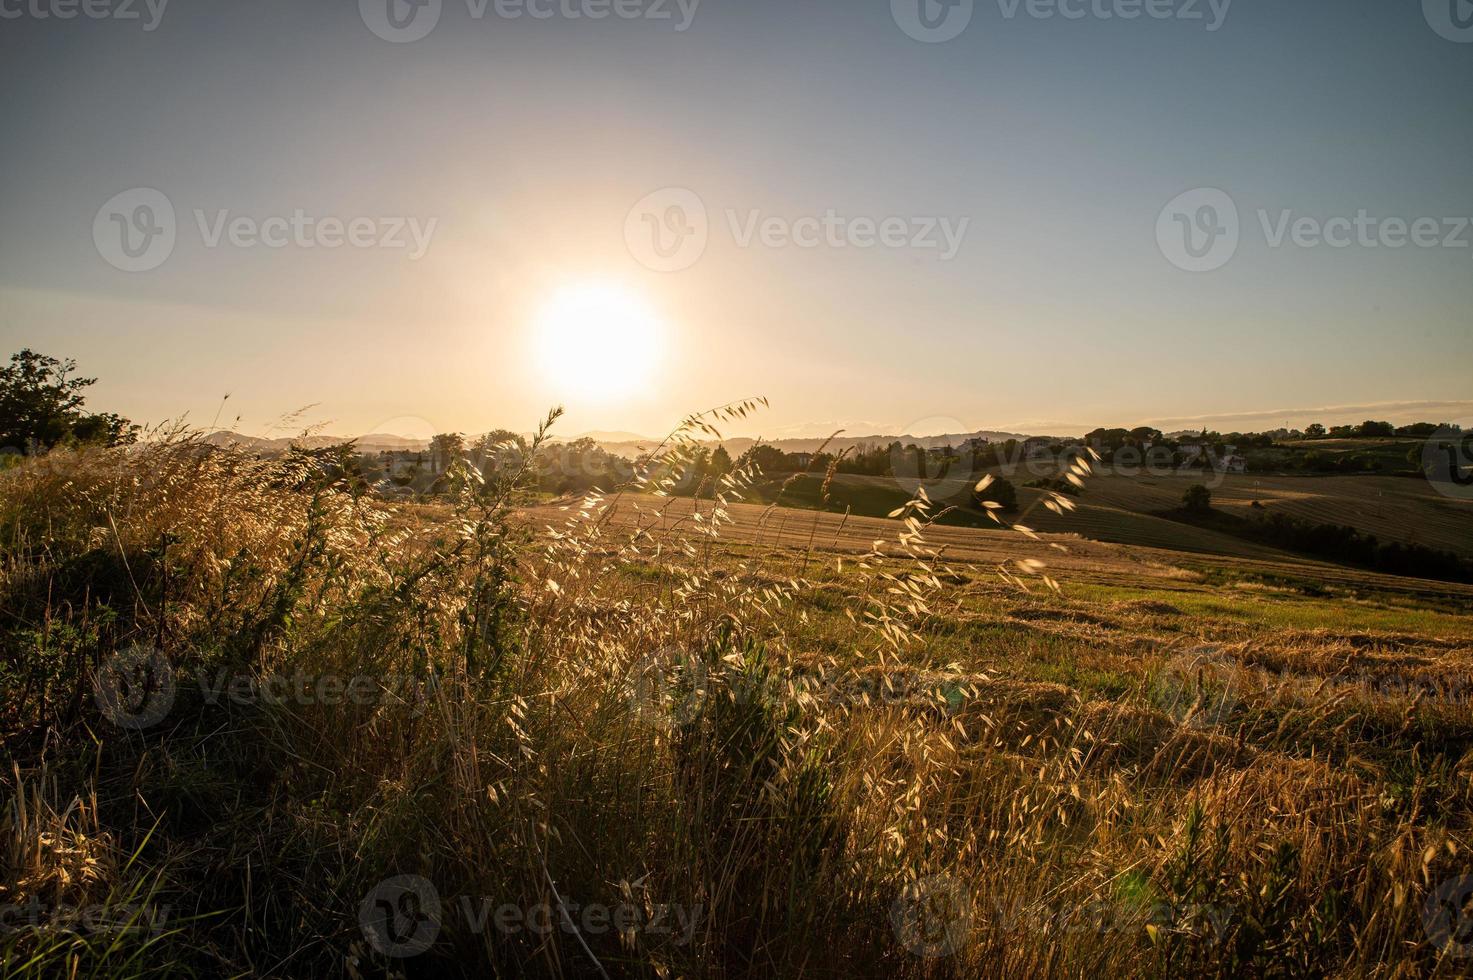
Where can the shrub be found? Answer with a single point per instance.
(1197, 499)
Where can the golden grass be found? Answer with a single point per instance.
(837, 747)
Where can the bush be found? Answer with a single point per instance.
(1197, 499)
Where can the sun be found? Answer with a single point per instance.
(597, 341)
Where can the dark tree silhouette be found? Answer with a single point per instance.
(41, 407)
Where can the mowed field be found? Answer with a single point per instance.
(1123, 508)
(1068, 557)
(1392, 508)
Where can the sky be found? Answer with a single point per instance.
(882, 215)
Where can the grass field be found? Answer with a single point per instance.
(644, 736)
(1124, 508)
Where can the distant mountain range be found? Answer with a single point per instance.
(374, 443)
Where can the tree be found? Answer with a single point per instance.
(1370, 428)
(769, 459)
(41, 407)
(999, 491)
(499, 453)
(1197, 499)
(445, 449)
(1314, 431)
(720, 464)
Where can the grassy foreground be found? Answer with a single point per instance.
(260, 726)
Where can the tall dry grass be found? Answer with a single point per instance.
(604, 714)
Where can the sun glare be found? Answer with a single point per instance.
(597, 341)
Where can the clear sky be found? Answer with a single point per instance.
(1028, 276)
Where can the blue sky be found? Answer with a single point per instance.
(522, 144)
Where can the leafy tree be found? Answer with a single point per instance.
(769, 459)
(1314, 431)
(720, 463)
(999, 491)
(1371, 428)
(445, 449)
(1197, 499)
(499, 453)
(41, 407)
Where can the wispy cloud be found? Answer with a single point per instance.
(1399, 412)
